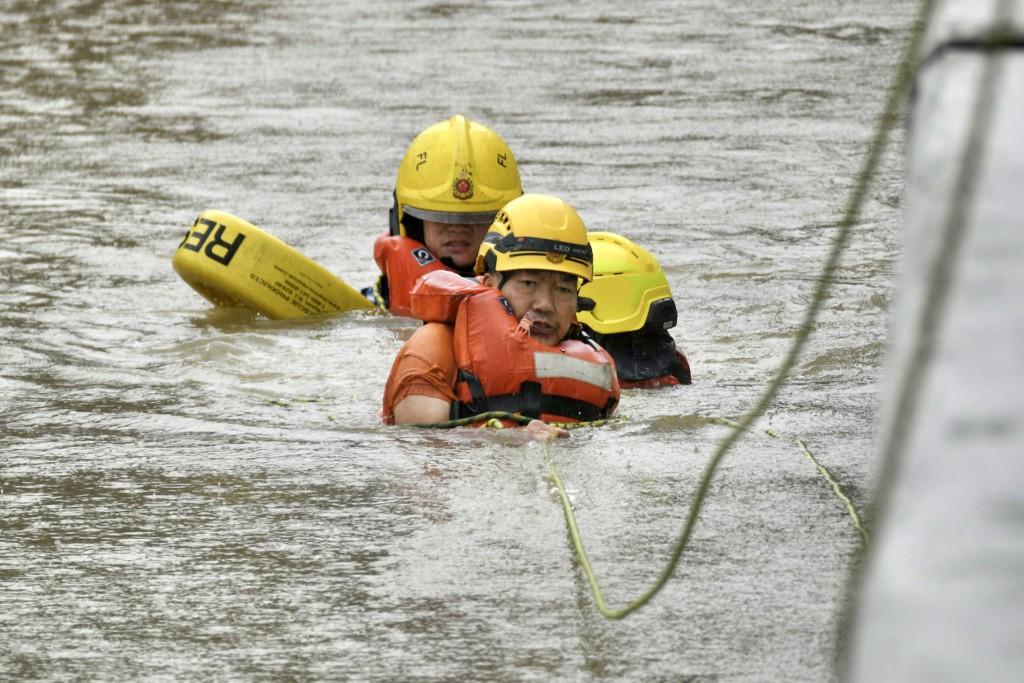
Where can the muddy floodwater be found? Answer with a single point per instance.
(189, 493)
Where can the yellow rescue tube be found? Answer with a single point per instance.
(233, 263)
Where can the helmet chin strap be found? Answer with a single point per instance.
(393, 226)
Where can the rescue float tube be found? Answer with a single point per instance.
(233, 263)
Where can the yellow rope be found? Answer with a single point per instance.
(495, 420)
(584, 560)
(577, 541)
(836, 488)
(864, 536)
(850, 218)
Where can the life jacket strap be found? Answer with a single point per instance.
(528, 401)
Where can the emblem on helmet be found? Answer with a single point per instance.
(555, 257)
(462, 186)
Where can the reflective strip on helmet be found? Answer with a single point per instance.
(560, 365)
(551, 256)
(577, 252)
(534, 260)
(450, 216)
(492, 237)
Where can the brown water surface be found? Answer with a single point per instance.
(194, 494)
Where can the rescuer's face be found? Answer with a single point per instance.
(546, 298)
(459, 242)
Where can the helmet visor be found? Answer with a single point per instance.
(459, 218)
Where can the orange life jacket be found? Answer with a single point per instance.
(402, 261)
(500, 367)
(437, 297)
(641, 362)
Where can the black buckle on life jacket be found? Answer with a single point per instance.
(478, 402)
(530, 399)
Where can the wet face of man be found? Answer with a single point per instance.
(459, 242)
(546, 298)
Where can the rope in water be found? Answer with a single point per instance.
(584, 560)
(836, 488)
(496, 418)
(851, 215)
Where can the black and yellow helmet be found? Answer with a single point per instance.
(455, 171)
(629, 289)
(537, 232)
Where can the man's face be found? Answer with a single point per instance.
(546, 298)
(458, 241)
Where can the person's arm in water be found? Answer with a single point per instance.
(420, 388)
(429, 410)
(419, 409)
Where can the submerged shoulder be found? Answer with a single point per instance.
(433, 342)
(433, 333)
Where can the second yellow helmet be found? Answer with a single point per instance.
(629, 289)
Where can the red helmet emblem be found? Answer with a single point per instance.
(462, 186)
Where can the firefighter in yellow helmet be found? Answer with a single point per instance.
(628, 308)
(509, 340)
(454, 177)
